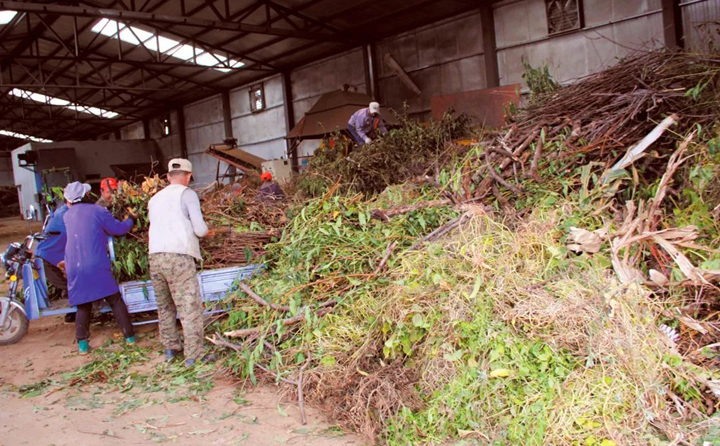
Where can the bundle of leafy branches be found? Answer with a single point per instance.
(409, 150)
(244, 229)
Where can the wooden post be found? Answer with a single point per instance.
(487, 20)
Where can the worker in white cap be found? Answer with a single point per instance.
(365, 123)
(176, 225)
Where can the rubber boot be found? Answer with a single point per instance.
(130, 340)
(170, 355)
(83, 347)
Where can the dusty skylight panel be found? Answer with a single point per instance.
(43, 99)
(164, 45)
(21, 136)
(6, 16)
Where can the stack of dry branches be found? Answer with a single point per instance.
(237, 205)
(606, 111)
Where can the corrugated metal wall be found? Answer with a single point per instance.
(701, 23)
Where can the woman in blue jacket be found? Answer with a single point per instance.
(87, 263)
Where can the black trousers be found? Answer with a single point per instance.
(119, 310)
(55, 278)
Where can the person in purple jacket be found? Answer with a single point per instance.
(87, 263)
(366, 122)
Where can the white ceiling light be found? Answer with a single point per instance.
(164, 45)
(37, 97)
(6, 16)
(21, 136)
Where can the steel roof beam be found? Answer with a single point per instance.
(116, 61)
(151, 18)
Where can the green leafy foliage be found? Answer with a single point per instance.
(404, 152)
(539, 81)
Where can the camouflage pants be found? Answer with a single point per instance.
(177, 292)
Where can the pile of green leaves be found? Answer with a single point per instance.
(131, 259)
(406, 151)
(329, 251)
(539, 81)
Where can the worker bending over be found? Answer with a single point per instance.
(108, 186)
(176, 224)
(366, 122)
(269, 190)
(87, 264)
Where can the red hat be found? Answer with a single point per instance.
(266, 176)
(108, 184)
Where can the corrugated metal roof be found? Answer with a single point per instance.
(50, 48)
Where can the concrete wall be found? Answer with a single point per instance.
(133, 131)
(261, 133)
(443, 58)
(701, 24)
(312, 81)
(204, 125)
(169, 145)
(613, 28)
(6, 172)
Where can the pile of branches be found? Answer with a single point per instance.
(600, 116)
(241, 231)
(408, 151)
(238, 205)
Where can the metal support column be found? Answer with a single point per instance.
(370, 64)
(181, 130)
(289, 119)
(487, 20)
(673, 24)
(146, 128)
(227, 121)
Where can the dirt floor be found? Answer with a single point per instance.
(61, 414)
(14, 230)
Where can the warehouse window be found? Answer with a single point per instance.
(6, 17)
(22, 136)
(563, 15)
(257, 98)
(164, 45)
(50, 100)
(166, 125)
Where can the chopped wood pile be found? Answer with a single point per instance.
(600, 116)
